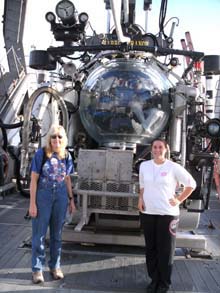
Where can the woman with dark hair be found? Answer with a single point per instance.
(50, 195)
(159, 212)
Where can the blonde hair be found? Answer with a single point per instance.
(56, 129)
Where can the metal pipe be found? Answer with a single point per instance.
(108, 21)
(105, 193)
(184, 139)
(175, 134)
(126, 11)
(146, 21)
(116, 12)
(217, 100)
(209, 107)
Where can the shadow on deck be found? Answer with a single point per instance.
(103, 268)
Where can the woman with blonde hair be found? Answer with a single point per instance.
(50, 195)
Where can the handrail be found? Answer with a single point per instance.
(20, 72)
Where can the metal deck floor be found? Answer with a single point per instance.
(102, 268)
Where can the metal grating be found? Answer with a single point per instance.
(85, 185)
(135, 202)
(118, 187)
(95, 202)
(110, 186)
(123, 203)
(111, 203)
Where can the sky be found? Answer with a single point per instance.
(199, 17)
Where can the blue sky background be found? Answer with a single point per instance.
(200, 17)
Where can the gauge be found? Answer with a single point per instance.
(83, 17)
(213, 127)
(50, 17)
(65, 10)
(69, 68)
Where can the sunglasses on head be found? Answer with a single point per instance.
(55, 136)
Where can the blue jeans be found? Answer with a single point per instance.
(52, 201)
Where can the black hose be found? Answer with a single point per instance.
(17, 172)
(3, 127)
(4, 134)
(12, 154)
(10, 126)
(18, 179)
(163, 11)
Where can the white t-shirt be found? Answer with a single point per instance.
(160, 182)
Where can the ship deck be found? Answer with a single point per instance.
(103, 268)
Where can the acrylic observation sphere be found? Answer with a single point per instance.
(125, 101)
